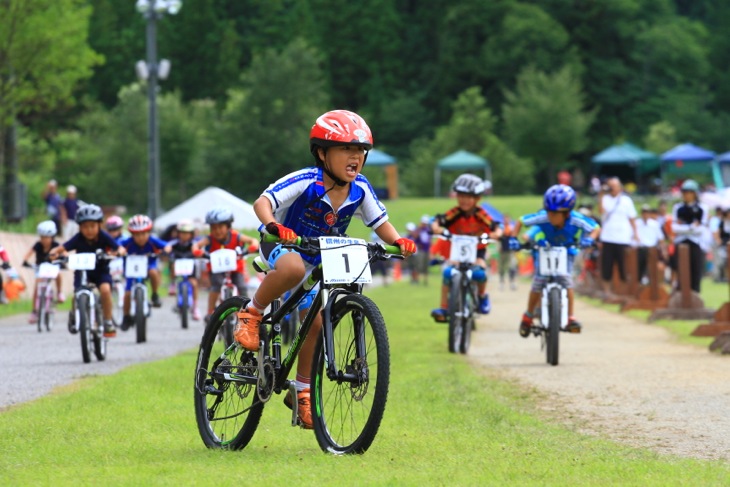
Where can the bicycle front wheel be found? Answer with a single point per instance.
(553, 332)
(140, 320)
(229, 326)
(227, 408)
(183, 290)
(456, 314)
(84, 314)
(347, 411)
(41, 309)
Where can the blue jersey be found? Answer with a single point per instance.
(153, 246)
(571, 232)
(300, 203)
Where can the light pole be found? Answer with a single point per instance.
(152, 10)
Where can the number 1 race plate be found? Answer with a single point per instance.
(345, 260)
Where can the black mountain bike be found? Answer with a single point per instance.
(350, 370)
(463, 295)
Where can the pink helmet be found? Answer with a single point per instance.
(114, 223)
(140, 223)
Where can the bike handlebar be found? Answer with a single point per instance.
(310, 245)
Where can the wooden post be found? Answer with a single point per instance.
(684, 304)
(653, 295)
(720, 322)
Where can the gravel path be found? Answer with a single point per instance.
(33, 363)
(620, 378)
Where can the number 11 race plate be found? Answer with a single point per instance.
(345, 260)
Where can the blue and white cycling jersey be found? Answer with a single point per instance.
(300, 203)
(571, 232)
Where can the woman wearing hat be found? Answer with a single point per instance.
(689, 225)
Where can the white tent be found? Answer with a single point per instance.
(197, 206)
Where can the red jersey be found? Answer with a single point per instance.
(459, 223)
(232, 241)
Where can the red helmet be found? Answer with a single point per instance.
(339, 127)
(140, 223)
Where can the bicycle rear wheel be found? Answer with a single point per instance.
(140, 320)
(456, 320)
(347, 413)
(82, 305)
(553, 331)
(227, 412)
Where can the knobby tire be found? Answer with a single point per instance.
(456, 325)
(82, 305)
(347, 415)
(228, 423)
(553, 333)
(140, 320)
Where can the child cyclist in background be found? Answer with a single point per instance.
(313, 202)
(222, 236)
(556, 225)
(467, 218)
(114, 226)
(142, 242)
(182, 248)
(46, 232)
(90, 239)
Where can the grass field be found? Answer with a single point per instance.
(445, 424)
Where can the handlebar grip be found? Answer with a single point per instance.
(392, 249)
(269, 238)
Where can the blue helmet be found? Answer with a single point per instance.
(559, 197)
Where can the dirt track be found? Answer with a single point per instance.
(620, 378)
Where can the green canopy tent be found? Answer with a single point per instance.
(460, 161)
(378, 158)
(626, 160)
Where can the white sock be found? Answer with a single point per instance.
(301, 385)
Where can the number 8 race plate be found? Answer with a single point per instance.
(345, 260)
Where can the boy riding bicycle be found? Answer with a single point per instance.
(557, 225)
(142, 242)
(467, 218)
(182, 248)
(46, 232)
(91, 238)
(222, 236)
(313, 202)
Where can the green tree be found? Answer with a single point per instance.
(545, 118)
(471, 128)
(265, 126)
(661, 137)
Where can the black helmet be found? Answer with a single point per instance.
(89, 213)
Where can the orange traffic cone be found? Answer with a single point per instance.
(397, 274)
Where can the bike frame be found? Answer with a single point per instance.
(88, 290)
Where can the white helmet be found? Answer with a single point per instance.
(47, 229)
(221, 214)
(469, 184)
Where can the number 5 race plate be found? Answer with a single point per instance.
(345, 260)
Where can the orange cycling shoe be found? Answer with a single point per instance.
(305, 408)
(247, 332)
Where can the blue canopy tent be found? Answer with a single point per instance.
(378, 158)
(675, 161)
(721, 171)
(461, 161)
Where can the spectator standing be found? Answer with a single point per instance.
(53, 202)
(507, 264)
(721, 236)
(650, 235)
(422, 237)
(618, 230)
(690, 224)
(68, 213)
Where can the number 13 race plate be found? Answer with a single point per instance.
(345, 260)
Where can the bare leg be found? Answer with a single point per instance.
(106, 300)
